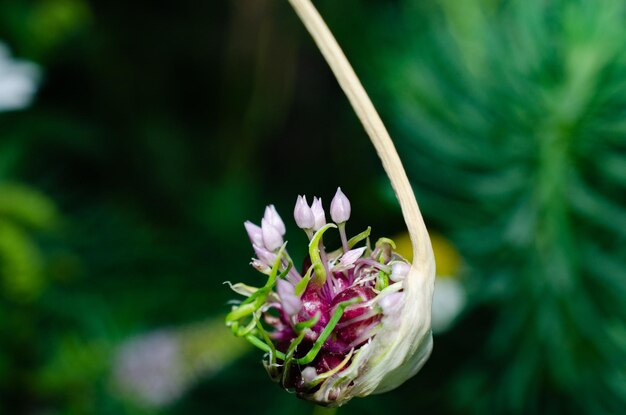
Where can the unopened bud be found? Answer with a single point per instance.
(254, 233)
(264, 255)
(290, 301)
(303, 214)
(318, 214)
(309, 374)
(399, 271)
(272, 216)
(340, 207)
(272, 239)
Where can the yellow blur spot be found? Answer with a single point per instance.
(447, 257)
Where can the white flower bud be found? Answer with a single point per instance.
(303, 214)
(340, 207)
(290, 301)
(254, 233)
(318, 214)
(272, 216)
(272, 239)
(399, 271)
(264, 255)
(351, 256)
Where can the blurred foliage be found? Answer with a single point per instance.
(21, 210)
(160, 128)
(510, 118)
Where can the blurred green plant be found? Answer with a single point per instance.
(23, 211)
(510, 116)
(41, 26)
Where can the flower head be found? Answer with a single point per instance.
(334, 329)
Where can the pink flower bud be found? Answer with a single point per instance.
(272, 239)
(318, 214)
(350, 257)
(303, 214)
(272, 216)
(399, 271)
(309, 374)
(254, 233)
(290, 301)
(264, 255)
(340, 207)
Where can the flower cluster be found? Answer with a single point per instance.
(317, 326)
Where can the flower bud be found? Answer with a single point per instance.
(254, 233)
(266, 257)
(318, 214)
(272, 239)
(350, 257)
(303, 214)
(272, 216)
(289, 300)
(309, 374)
(399, 271)
(340, 207)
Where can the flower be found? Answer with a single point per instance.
(254, 233)
(18, 81)
(303, 214)
(272, 217)
(318, 214)
(272, 239)
(334, 329)
(340, 207)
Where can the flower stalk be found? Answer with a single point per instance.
(419, 283)
(357, 320)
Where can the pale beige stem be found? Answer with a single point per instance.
(349, 82)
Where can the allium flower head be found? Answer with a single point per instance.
(335, 328)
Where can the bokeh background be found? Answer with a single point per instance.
(136, 137)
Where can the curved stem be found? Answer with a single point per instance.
(373, 125)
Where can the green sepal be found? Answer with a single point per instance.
(382, 280)
(263, 346)
(301, 286)
(257, 299)
(358, 238)
(312, 354)
(308, 323)
(388, 241)
(351, 243)
(242, 289)
(314, 254)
